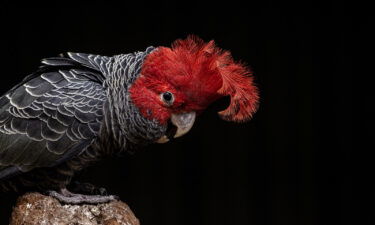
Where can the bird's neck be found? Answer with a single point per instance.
(123, 123)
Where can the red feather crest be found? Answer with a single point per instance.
(206, 73)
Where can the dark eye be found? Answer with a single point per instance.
(167, 97)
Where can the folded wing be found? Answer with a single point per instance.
(53, 115)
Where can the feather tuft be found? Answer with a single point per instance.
(205, 73)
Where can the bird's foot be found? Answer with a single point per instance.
(67, 197)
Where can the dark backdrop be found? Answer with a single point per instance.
(292, 164)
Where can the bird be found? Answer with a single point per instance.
(78, 108)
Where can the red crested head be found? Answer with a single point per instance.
(188, 77)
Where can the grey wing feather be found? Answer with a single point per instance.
(51, 116)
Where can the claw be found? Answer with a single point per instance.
(65, 196)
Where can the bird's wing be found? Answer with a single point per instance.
(51, 116)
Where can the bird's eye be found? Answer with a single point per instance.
(167, 98)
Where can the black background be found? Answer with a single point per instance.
(294, 163)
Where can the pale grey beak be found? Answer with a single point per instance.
(183, 121)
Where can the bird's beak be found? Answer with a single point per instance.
(183, 122)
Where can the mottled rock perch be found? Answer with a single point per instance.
(35, 209)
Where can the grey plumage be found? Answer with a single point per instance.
(73, 110)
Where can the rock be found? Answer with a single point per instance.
(38, 209)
